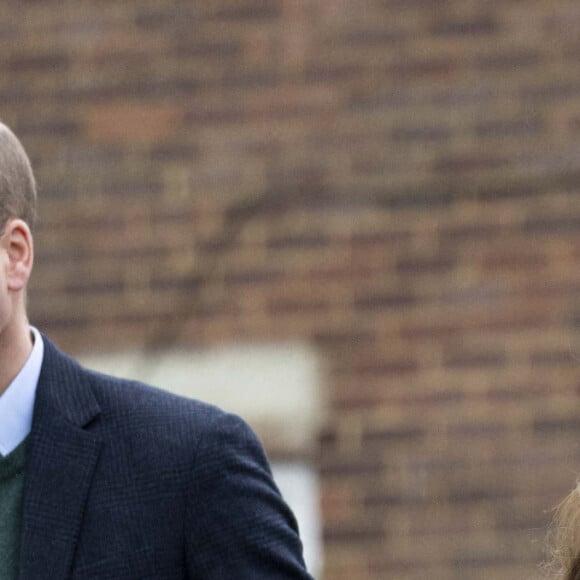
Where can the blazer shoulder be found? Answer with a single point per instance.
(119, 396)
(158, 428)
(124, 405)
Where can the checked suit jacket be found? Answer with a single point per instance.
(125, 481)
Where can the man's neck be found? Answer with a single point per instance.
(15, 348)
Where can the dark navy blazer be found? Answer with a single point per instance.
(125, 481)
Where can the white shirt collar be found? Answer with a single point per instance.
(17, 402)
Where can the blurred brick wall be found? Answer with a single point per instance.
(396, 182)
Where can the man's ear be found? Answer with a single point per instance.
(17, 242)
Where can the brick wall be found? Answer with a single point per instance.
(395, 182)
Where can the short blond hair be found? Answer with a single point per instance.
(564, 539)
(17, 183)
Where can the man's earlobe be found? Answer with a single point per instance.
(19, 247)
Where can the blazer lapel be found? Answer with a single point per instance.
(61, 461)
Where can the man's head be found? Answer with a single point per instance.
(17, 216)
(17, 185)
(17, 213)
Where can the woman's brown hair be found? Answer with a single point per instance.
(574, 572)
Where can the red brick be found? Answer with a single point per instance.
(131, 122)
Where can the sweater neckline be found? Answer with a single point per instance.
(14, 463)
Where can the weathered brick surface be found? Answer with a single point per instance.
(395, 182)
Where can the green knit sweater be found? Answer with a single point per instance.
(12, 468)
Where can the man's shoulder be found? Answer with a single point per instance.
(156, 427)
(126, 407)
(132, 402)
(120, 394)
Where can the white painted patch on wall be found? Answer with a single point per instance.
(298, 483)
(277, 389)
